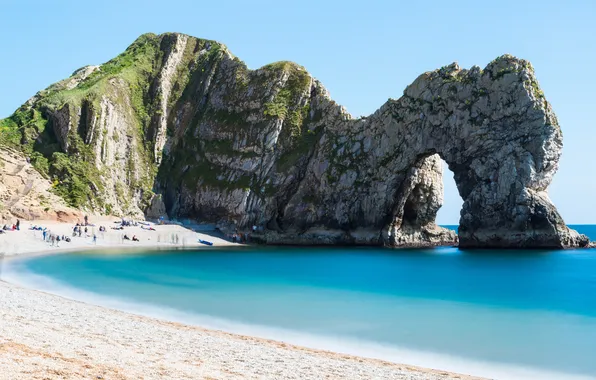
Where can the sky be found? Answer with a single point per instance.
(364, 52)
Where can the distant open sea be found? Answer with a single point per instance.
(507, 314)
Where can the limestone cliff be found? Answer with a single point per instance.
(178, 124)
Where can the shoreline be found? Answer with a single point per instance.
(25, 313)
(340, 362)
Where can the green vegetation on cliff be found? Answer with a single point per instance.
(96, 134)
(112, 113)
(22, 128)
(70, 160)
(287, 104)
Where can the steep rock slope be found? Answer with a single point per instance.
(25, 194)
(178, 124)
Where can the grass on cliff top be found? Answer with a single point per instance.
(286, 104)
(297, 84)
(134, 66)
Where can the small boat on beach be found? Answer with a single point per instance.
(205, 242)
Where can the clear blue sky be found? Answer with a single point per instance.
(363, 51)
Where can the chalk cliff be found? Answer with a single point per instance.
(179, 125)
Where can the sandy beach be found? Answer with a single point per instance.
(44, 336)
(27, 241)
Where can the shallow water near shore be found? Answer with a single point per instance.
(495, 313)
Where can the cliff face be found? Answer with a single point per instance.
(179, 125)
(25, 194)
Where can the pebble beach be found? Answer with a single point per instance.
(44, 336)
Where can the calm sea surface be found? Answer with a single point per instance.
(504, 314)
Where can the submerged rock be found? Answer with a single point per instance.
(178, 124)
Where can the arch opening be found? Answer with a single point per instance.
(418, 201)
(449, 213)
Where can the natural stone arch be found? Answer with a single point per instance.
(498, 136)
(502, 141)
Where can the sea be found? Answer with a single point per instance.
(504, 314)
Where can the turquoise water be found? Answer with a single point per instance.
(504, 314)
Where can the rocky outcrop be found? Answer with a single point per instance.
(200, 136)
(164, 84)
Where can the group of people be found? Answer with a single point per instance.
(77, 230)
(82, 230)
(87, 230)
(15, 227)
(245, 237)
(134, 238)
(240, 237)
(128, 223)
(53, 239)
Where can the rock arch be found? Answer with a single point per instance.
(501, 140)
(498, 135)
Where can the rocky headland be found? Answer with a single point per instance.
(179, 126)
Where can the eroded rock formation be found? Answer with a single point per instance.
(179, 124)
(26, 195)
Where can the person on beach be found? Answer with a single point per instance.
(18, 225)
(94, 239)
